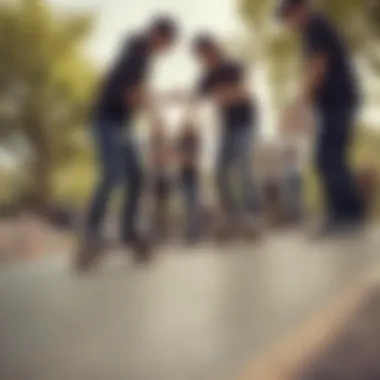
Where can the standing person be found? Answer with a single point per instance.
(224, 82)
(332, 90)
(189, 146)
(161, 181)
(122, 95)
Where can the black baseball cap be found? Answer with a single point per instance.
(287, 6)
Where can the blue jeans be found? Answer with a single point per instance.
(119, 164)
(293, 196)
(161, 193)
(190, 188)
(341, 193)
(236, 159)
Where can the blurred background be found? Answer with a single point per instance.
(196, 316)
(53, 52)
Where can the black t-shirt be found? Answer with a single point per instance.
(339, 87)
(239, 114)
(129, 71)
(189, 149)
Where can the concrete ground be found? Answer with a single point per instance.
(193, 314)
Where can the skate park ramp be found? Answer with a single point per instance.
(213, 312)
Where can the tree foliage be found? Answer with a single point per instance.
(45, 81)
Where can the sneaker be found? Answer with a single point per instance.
(250, 228)
(192, 239)
(250, 232)
(226, 233)
(332, 229)
(142, 248)
(89, 253)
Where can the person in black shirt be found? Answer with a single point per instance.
(122, 95)
(224, 82)
(332, 88)
(189, 146)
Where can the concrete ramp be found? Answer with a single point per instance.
(191, 315)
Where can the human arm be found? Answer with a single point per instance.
(230, 94)
(315, 74)
(321, 43)
(297, 119)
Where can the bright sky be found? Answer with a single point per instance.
(115, 18)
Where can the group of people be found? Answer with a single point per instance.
(330, 88)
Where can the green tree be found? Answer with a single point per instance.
(45, 82)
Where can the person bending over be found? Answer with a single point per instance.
(224, 82)
(123, 94)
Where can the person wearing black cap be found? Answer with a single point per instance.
(225, 83)
(122, 95)
(332, 88)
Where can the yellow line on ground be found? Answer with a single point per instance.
(286, 358)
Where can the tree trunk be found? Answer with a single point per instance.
(41, 195)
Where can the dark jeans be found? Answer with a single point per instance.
(341, 192)
(293, 196)
(119, 164)
(190, 188)
(236, 160)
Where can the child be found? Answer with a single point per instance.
(189, 146)
(298, 125)
(292, 185)
(160, 161)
